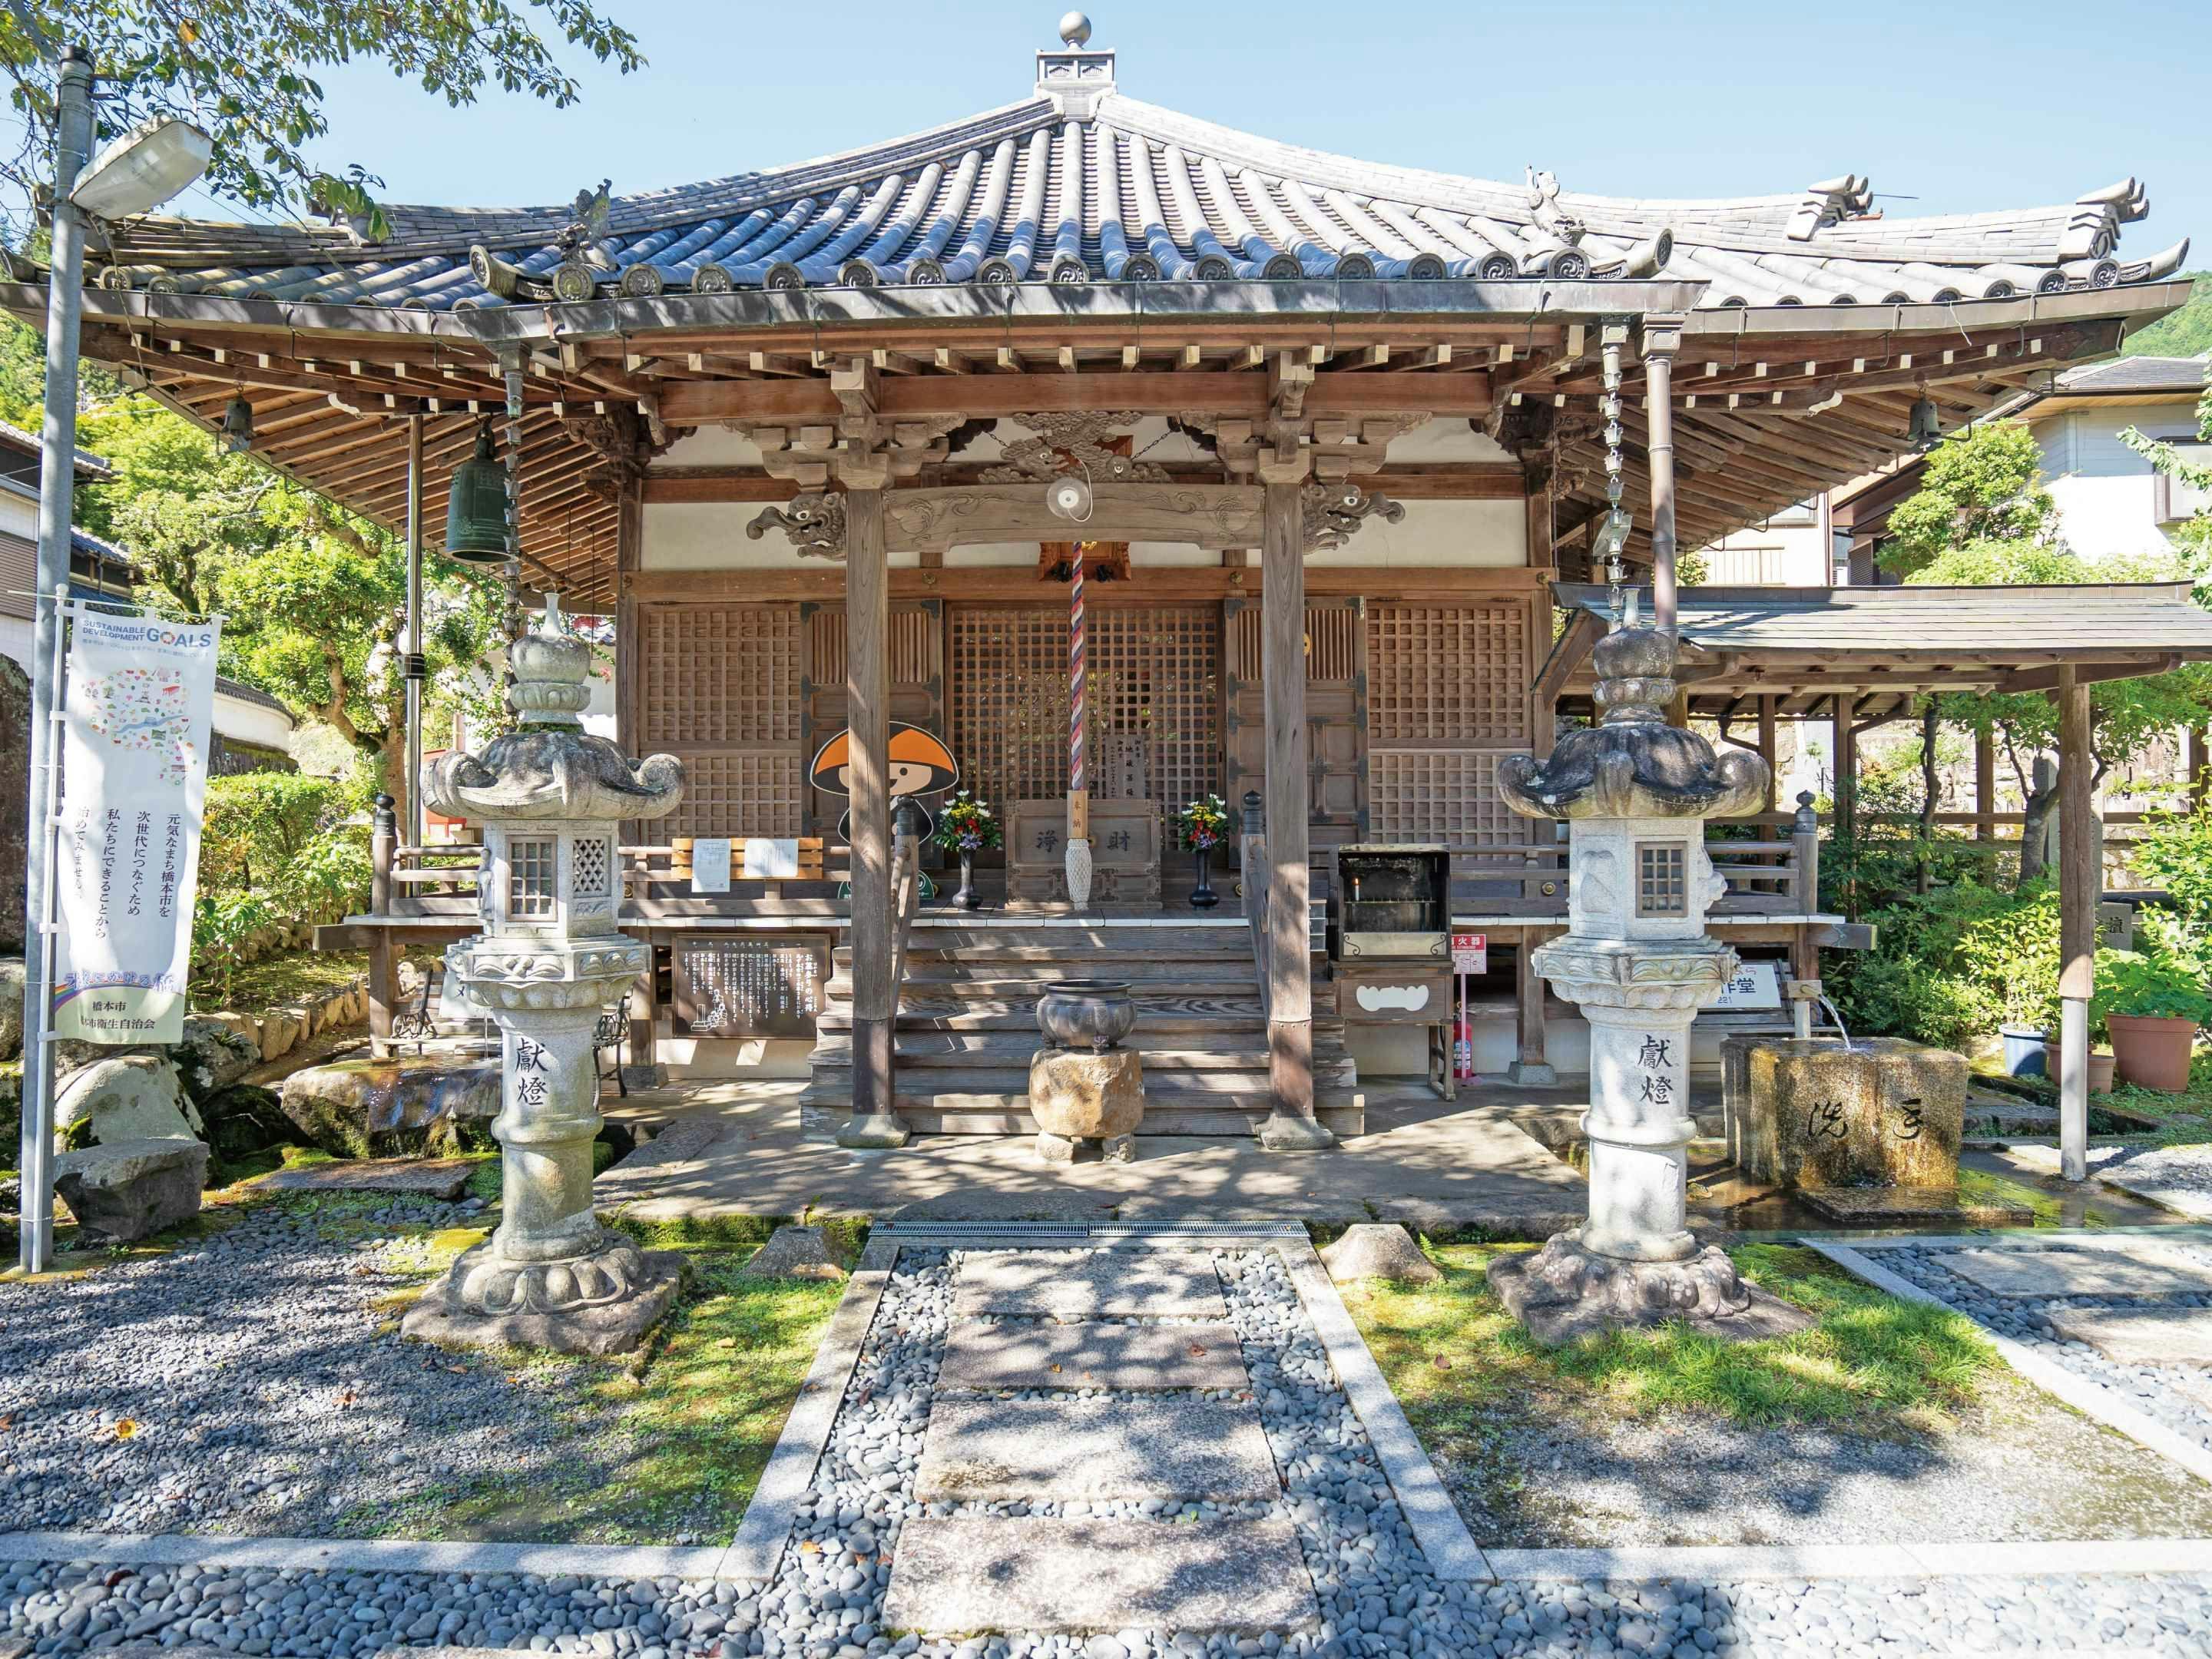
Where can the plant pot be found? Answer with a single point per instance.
(967, 898)
(2100, 1068)
(2153, 1050)
(1203, 897)
(1086, 1013)
(2023, 1050)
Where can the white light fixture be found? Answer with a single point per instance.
(143, 168)
(1068, 498)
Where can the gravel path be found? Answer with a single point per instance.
(238, 1384)
(2180, 1397)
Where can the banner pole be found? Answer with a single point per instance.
(36, 1205)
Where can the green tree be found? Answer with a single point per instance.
(2184, 333)
(1982, 501)
(247, 72)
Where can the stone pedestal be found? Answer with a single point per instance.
(1083, 1094)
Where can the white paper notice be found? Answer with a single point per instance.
(771, 858)
(134, 787)
(710, 864)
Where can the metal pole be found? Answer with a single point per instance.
(417, 666)
(57, 517)
(1659, 434)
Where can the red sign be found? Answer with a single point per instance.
(1470, 953)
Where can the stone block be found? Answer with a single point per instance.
(1092, 1355)
(1081, 1095)
(1185, 1450)
(126, 1097)
(967, 1575)
(795, 1252)
(431, 1178)
(1088, 1285)
(2139, 1336)
(2144, 1267)
(127, 1190)
(1811, 1114)
(383, 1108)
(216, 1051)
(1376, 1250)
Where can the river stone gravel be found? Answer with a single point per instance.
(250, 1382)
(2169, 1393)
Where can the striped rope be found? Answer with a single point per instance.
(1075, 673)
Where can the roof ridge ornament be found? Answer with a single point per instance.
(1074, 77)
(1830, 202)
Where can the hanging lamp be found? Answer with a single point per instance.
(477, 508)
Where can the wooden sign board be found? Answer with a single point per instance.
(1125, 852)
(747, 987)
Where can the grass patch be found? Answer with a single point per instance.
(674, 1443)
(1451, 1351)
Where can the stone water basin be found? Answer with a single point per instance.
(393, 1108)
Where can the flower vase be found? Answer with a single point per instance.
(1203, 897)
(967, 898)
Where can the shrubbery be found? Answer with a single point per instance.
(278, 851)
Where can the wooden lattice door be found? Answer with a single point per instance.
(916, 672)
(1448, 698)
(1336, 713)
(1153, 701)
(719, 689)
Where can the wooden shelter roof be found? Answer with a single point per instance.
(1889, 644)
(1081, 251)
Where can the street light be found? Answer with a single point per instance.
(139, 171)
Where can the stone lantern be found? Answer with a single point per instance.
(1636, 792)
(549, 799)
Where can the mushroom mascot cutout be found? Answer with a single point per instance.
(916, 762)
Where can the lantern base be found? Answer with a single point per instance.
(606, 1300)
(1566, 1289)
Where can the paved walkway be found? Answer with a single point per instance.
(735, 1149)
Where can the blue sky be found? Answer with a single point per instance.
(1968, 107)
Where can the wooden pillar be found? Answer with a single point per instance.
(383, 987)
(2081, 884)
(1769, 741)
(2198, 762)
(1985, 784)
(1661, 337)
(874, 1123)
(1291, 1125)
(1845, 715)
(1532, 1065)
(629, 656)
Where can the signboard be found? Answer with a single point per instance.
(1753, 985)
(135, 734)
(710, 864)
(1470, 953)
(747, 987)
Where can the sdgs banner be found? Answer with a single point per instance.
(140, 706)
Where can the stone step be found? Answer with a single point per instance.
(1088, 1285)
(2126, 1336)
(986, 1574)
(1131, 1357)
(1184, 1450)
(2144, 1267)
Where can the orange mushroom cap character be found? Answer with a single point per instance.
(918, 763)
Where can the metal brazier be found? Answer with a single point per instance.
(1086, 1013)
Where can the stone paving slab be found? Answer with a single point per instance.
(1054, 1284)
(1060, 1449)
(972, 1574)
(2148, 1268)
(1866, 1206)
(2141, 1336)
(1092, 1356)
(431, 1178)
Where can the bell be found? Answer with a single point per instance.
(238, 425)
(1926, 431)
(476, 508)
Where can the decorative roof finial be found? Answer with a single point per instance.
(1075, 29)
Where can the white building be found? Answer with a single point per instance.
(2111, 502)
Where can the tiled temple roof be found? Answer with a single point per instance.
(1079, 183)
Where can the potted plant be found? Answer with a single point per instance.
(1201, 824)
(964, 826)
(2151, 1008)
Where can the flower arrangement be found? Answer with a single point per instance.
(1202, 822)
(966, 825)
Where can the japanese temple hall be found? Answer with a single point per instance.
(1311, 454)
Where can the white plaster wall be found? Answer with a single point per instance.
(2104, 491)
(19, 514)
(252, 722)
(1461, 535)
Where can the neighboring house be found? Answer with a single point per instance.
(253, 730)
(2110, 500)
(1797, 547)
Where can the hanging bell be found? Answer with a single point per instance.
(1926, 427)
(476, 508)
(238, 425)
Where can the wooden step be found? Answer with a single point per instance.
(1178, 1111)
(1007, 1055)
(1239, 1019)
(1070, 941)
(971, 967)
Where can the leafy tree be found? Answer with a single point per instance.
(2183, 333)
(1982, 501)
(247, 72)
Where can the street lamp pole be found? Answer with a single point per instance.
(56, 518)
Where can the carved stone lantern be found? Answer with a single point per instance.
(1636, 793)
(549, 799)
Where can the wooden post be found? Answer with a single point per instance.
(1804, 954)
(874, 1123)
(1291, 1125)
(1661, 335)
(1846, 714)
(629, 656)
(1985, 784)
(2198, 762)
(1532, 1066)
(1769, 741)
(2081, 884)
